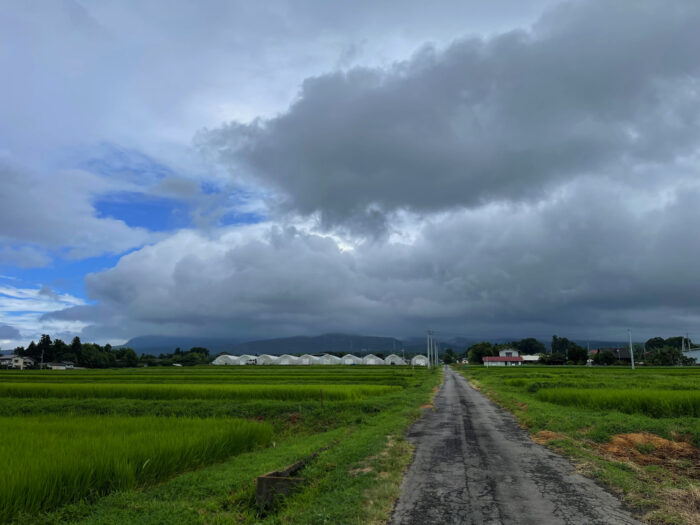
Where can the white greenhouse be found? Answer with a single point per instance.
(266, 359)
(393, 359)
(287, 359)
(419, 360)
(372, 359)
(308, 359)
(225, 359)
(349, 359)
(328, 359)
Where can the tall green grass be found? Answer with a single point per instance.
(291, 392)
(655, 403)
(49, 460)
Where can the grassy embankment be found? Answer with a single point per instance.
(637, 432)
(188, 419)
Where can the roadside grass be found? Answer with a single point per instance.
(355, 481)
(647, 452)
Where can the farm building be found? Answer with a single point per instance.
(419, 360)
(693, 354)
(393, 359)
(308, 359)
(63, 365)
(505, 357)
(372, 359)
(530, 358)
(287, 359)
(266, 359)
(328, 359)
(349, 359)
(248, 359)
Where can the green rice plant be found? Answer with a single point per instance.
(50, 460)
(197, 391)
(654, 403)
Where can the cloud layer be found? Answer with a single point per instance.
(593, 86)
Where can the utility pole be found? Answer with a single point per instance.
(629, 330)
(428, 333)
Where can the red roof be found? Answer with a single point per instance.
(503, 358)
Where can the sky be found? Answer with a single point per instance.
(511, 168)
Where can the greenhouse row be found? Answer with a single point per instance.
(325, 359)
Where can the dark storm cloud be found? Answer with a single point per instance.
(592, 87)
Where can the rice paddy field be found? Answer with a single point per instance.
(636, 431)
(184, 445)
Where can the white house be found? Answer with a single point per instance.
(328, 359)
(508, 352)
(22, 362)
(287, 359)
(393, 359)
(266, 359)
(349, 359)
(419, 360)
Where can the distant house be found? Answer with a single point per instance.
(419, 360)
(63, 365)
(505, 357)
(6, 361)
(693, 354)
(22, 362)
(393, 359)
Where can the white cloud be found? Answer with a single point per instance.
(23, 309)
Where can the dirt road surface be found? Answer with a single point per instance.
(474, 465)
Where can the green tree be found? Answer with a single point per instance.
(529, 346)
(577, 354)
(477, 352)
(606, 357)
(449, 357)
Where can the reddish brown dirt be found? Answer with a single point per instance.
(649, 449)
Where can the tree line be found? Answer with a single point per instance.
(93, 355)
(656, 351)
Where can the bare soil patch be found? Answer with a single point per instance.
(649, 449)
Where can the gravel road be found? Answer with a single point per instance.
(474, 465)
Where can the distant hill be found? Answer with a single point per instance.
(165, 344)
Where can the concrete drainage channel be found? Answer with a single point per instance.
(278, 484)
